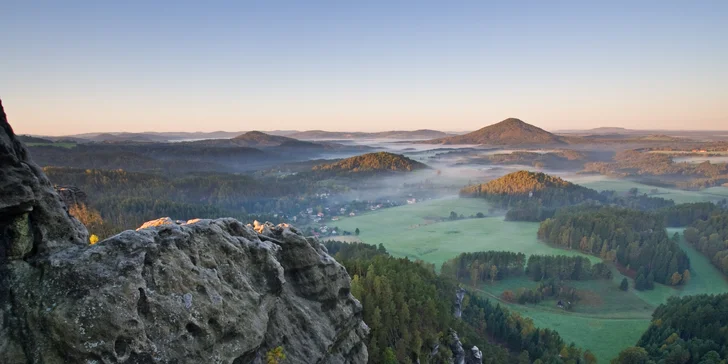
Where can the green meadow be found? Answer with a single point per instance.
(605, 322)
(412, 231)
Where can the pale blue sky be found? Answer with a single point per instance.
(82, 66)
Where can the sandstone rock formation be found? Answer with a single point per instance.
(207, 291)
(71, 195)
(474, 356)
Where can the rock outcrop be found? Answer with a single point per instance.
(459, 297)
(206, 291)
(71, 195)
(474, 356)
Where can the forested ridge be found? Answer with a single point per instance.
(524, 186)
(127, 199)
(688, 329)
(636, 240)
(409, 308)
(372, 162)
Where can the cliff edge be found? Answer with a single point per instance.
(213, 291)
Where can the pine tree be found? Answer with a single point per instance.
(624, 285)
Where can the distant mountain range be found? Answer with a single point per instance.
(157, 137)
(395, 134)
(510, 131)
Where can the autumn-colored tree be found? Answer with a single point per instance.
(686, 276)
(493, 273)
(508, 295)
(589, 357)
(675, 279)
(93, 239)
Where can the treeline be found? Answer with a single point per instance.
(496, 265)
(482, 266)
(688, 329)
(687, 213)
(409, 308)
(563, 267)
(710, 237)
(636, 240)
(550, 289)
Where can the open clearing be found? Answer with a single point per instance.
(605, 325)
(600, 183)
(411, 231)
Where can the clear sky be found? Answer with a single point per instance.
(87, 66)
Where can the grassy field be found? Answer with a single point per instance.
(679, 196)
(606, 321)
(704, 277)
(611, 319)
(410, 231)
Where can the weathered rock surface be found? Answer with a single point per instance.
(32, 216)
(473, 356)
(207, 291)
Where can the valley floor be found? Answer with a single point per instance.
(605, 323)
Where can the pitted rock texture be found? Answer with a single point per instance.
(207, 291)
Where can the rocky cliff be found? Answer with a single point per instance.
(205, 291)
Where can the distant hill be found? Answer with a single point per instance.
(507, 132)
(373, 162)
(260, 139)
(125, 137)
(524, 187)
(31, 139)
(395, 134)
(609, 130)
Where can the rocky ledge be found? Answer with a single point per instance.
(203, 291)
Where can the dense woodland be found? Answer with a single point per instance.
(634, 239)
(688, 329)
(524, 187)
(127, 199)
(497, 265)
(564, 267)
(688, 213)
(372, 163)
(710, 237)
(410, 308)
